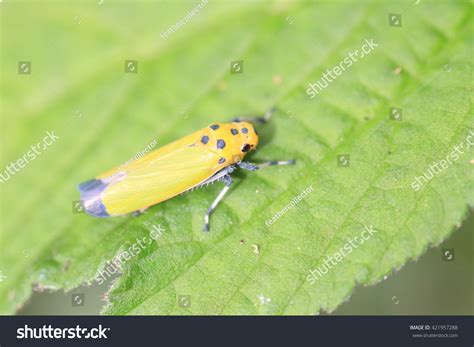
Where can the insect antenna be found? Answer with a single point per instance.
(257, 119)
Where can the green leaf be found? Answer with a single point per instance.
(103, 116)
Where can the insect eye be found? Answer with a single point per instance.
(245, 148)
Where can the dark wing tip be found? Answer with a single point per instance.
(91, 197)
(90, 185)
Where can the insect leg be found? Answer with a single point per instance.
(228, 182)
(140, 211)
(254, 167)
(261, 119)
(219, 176)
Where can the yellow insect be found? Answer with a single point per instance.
(204, 157)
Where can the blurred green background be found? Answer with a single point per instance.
(79, 86)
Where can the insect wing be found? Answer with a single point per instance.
(160, 179)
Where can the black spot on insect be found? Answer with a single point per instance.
(245, 148)
(245, 130)
(205, 139)
(220, 144)
(234, 131)
(221, 160)
(215, 126)
(255, 132)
